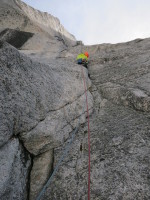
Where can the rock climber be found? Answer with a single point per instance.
(82, 59)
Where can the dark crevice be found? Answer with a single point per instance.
(15, 37)
(61, 40)
(102, 159)
(27, 155)
(1, 44)
(63, 50)
(29, 178)
(52, 167)
(81, 147)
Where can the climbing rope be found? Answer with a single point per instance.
(68, 146)
(59, 163)
(89, 146)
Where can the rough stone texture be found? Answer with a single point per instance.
(45, 21)
(19, 92)
(16, 14)
(31, 90)
(39, 103)
(56, 127)
(120, 128)
(14, 171)
(42, 98)
(42, 167)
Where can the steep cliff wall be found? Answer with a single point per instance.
(120, 127)
(40, 105)
(42, 98)
(45, 20)
(16, 14)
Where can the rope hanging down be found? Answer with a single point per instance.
(68, 147)
(59, 163)
(89, 146)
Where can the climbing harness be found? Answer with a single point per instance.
(68, 146)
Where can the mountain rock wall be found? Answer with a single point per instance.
(15, 14)
(42, 101)
(40, 105)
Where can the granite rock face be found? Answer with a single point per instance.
(15, 168)
(42, 167)
(120, 128)
(42, 101)
(40, 105)
(16, 14)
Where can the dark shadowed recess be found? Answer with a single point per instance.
(15, 37)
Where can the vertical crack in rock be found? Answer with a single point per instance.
(36, 86)
(29, 178)
(14, 170)
(41, 171)
(27, 154)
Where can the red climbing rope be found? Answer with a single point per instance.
(68, 147)
(89, 168)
